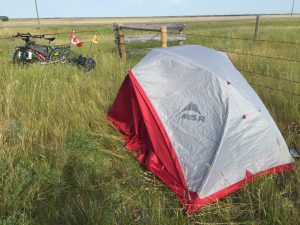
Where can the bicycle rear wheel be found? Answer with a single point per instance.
(19, 57)
(62, 55)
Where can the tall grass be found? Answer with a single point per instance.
(61, 161)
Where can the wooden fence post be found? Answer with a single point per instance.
(121, 40)
(122, 48)
(256, 28)
(164, 36)
(117, 39)
(181, 41)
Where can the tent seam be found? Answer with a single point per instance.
(218, 149)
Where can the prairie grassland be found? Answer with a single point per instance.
(109, 20)
(61, 161)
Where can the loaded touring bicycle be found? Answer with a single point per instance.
(45, 54)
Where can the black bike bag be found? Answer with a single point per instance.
(42, 49)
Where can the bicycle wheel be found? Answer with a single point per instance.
(19, 57)
(90, 64)
(62, 55)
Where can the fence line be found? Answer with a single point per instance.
(253, 55)
(265, 75)
(223, 50)
(257, 55)
(58, 33)
(76, 32)
(275, 89)
(243, 39)
(162, 35)
(192, 34)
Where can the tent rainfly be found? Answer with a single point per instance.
(191, 118)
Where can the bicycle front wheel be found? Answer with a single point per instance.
(62, 55)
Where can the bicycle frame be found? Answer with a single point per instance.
(40, 56)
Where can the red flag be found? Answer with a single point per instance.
(74, 40)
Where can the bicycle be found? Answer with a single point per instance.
(45, 54)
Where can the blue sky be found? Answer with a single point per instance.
(119, 8)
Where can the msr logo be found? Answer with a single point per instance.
(191, 112)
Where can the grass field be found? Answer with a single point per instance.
(110, 20)
(61, 161)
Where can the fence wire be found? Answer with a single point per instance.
(257, 55)
(260, 56)
(244, 39)
(54, 33)
(267, 75)
(223, 50)
(276, 89)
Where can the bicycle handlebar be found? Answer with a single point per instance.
(38, 36)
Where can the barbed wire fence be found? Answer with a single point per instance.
(258, 74)
(247, 71)
(243, 39)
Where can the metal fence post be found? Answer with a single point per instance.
(256, 28)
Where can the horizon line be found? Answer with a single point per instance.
(109, 17)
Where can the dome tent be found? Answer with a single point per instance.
(192, 119)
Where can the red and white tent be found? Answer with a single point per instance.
(192, 119)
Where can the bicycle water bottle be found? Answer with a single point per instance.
(41, 57)
(29, 55)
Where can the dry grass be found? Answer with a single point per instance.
(61, 162)
(110, 20)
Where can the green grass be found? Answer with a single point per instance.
(61, 161)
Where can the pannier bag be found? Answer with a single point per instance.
(40, 49)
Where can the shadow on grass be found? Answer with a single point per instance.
(73, 198)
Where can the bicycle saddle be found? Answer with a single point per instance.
(50, 39)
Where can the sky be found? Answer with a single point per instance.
(131, 8)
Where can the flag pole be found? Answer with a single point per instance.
(94, 41)
(71, 36)
(89, 49)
